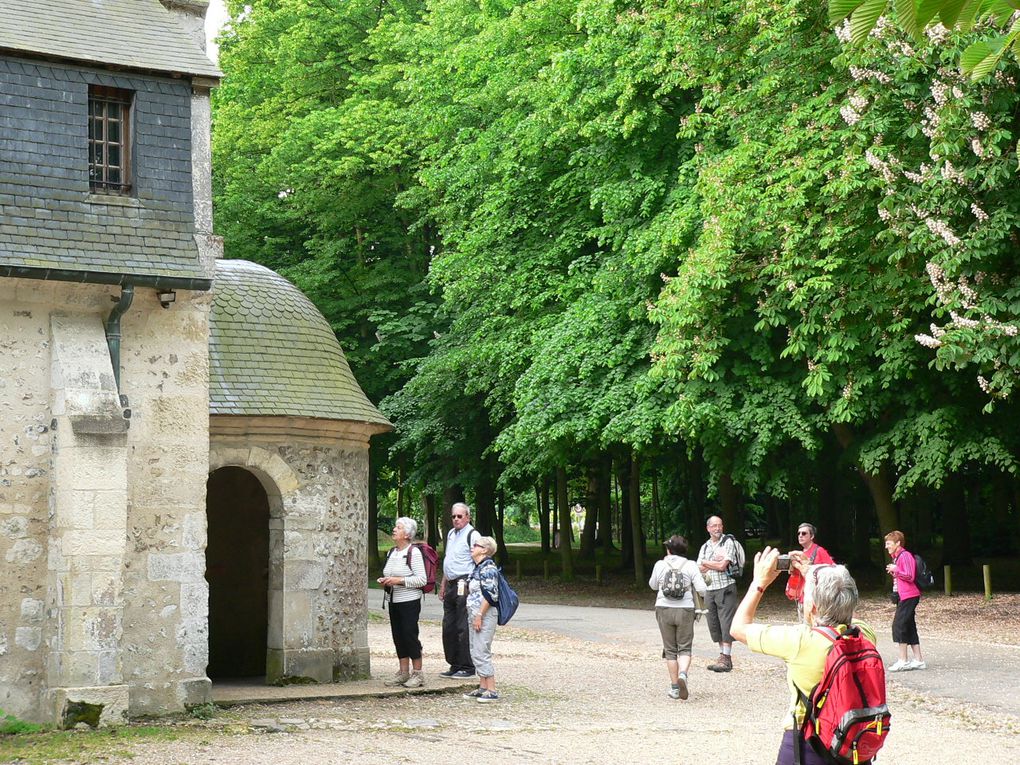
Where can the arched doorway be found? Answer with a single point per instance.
(237, 569)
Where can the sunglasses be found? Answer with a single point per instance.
(478, 545)
(458, 516)
(803, 533)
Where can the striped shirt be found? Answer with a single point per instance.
(414, 574)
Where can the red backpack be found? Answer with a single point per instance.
(847, 719)
(431, 558)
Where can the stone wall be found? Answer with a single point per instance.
(165, 361)
(318, 490)
(84, 508)
(24, 491)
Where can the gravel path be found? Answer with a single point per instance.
(594, 695)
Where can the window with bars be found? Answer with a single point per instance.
(109, 140)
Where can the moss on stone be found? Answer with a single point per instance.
(81, 712)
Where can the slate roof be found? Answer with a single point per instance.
(138, 34)
(271, 353)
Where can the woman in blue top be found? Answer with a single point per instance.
(483, 589)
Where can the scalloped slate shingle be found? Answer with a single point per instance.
(271, 353)
(139, 34)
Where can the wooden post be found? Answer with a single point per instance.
(598, 573)
(517, 569)
(987, 571)
(948, 575)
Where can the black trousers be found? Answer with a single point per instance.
(904, 623)
(455, 628)
(404, 628)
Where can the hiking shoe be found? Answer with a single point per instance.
(475, 693)
(723, 664)
(488, 697)
(683, 688)
(673, 693)
(451, 672)
(415, 680)
(915, 664)
(899, 666)
(460, 674)
(398, 679)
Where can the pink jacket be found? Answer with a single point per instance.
(904, 575)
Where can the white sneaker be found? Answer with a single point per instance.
(398, 679)
(899, 666)
(915, 664)
(416, 680)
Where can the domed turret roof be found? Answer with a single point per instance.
(271, 353)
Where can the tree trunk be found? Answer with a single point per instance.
(829, 509)
(590, 514)
(659, 534)
(543, 514)
(451, 495)
(729, 506)
(400, 488)
(604, 494)
(879, 485)
(697, 514)
(484, 514)
(1007, 527)
(626, 527)
(566, 553)
(637, 537)
(955, 525)
(428, 503)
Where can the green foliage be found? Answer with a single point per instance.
(546, 230)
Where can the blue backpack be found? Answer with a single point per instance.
(506, 605)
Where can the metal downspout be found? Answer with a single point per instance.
(127, 294)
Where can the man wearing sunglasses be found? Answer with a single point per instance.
(457, 566)
(815, 555)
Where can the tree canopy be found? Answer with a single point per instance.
(712, 241)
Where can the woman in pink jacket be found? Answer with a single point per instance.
(906, 595)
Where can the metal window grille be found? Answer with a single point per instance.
(109, 140)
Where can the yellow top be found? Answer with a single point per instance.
(804, 652)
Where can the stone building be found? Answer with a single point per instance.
(183, 447)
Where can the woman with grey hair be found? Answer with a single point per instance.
(483, 591)
(403, 577)
(830, 597)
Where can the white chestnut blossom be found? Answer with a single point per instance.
(937, 33)
(941, 229)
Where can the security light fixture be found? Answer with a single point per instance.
(166, 297)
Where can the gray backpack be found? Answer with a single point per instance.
(673, 583)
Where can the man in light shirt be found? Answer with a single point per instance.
(457, 566)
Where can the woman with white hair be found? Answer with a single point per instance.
(403, 577)
(483, 591)
(830, 597)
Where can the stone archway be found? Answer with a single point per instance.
(237, 570)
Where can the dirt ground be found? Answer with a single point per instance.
(573, 701)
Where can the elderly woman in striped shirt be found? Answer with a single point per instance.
(403, 577)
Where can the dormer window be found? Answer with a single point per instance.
(109, 140)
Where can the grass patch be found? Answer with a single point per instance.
(87, 745)
(9, 724)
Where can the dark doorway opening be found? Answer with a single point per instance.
(237, 569)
